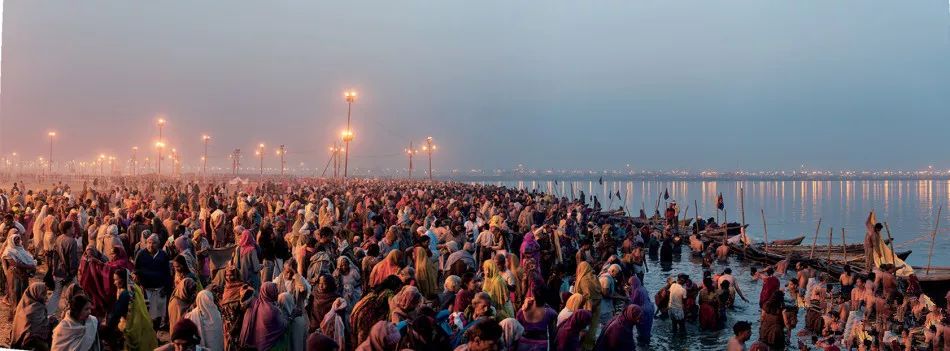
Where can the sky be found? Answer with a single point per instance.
(689, 84)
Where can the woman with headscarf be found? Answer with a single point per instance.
(530, 248)
(235, 299)
(129, 317)
(496, 287)
(246, 260)
(79, 329)
(402, 306)
(574, 303)
(382, 337)
(19, 266)
(182, 299)
(321, 299)
(426, 273)
(372, 307)
(588, 286)
(206, 316)
(317, 341)
(264, 323)
(70, 292)
(348, 279)
(512, 332)
(612, 293)
(385, 268)
(570, 332)
(332, 324)
(641, 297)
(31, 329)
(618, 334)
(298, 325)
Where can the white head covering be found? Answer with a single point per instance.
(511, 331)
(17, 252)
(206, 316)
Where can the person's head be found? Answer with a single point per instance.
(180, 265)
(878, 227)
(481, 303)
(185, 335)
(232, 274)
(769, 271)
(326, 284)
(80, 308)
(484, 336)
(153, 244)
(120, 279)
(500, 262)
(742, 331)
(469, 282)
(727, 271)
(452, 284)
(290, 267)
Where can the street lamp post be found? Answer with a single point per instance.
(428, 148)
(51, 135)
(260, 153)
(280, 152)
(175, 169)
(102, 158)
(204, 159)
(334, 158)
(135, 162)
(161, 125)
(350, 97)
(410, 152)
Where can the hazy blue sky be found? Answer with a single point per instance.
(656, 84)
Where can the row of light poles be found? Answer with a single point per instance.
(428, 148)
(347, 136)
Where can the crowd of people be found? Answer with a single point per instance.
(374, 265)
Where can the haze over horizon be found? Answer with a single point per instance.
(658, 85)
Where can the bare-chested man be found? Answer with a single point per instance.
(722, 253)
(884, 278)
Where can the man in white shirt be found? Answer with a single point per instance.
(677, 301)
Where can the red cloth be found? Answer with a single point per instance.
(95, 280)
(769, 287)
(708, 318)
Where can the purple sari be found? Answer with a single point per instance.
(641, 297)
(264, 324)
(569, 333)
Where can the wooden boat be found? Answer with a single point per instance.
(732, 229)
(787, 242)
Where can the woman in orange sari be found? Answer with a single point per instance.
(387, 267)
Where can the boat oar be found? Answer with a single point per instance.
(933, 238)
(890, 242)
(815, 241)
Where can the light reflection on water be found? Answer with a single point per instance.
(792, 208)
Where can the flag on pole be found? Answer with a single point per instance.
(601, 181)
(618, 194)
(666, 194)
(719, 203)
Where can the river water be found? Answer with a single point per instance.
(791, 209)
